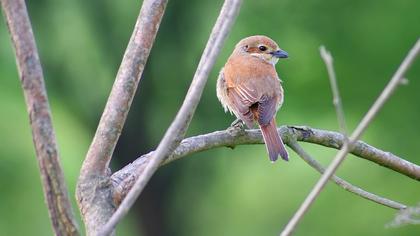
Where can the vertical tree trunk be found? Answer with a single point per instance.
(32, 79)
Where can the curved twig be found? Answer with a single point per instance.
(32, 79)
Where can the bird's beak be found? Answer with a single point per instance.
(280, 54)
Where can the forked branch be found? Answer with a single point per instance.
(93, 187)
(178, 127)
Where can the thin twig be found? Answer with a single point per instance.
(32, 79)
(386, 93)
(93, 187)
(124, 179)
(177, 129)
(344, 184)
(328, 59)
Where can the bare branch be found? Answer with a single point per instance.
(32, 79)
(125, 86)
(361, 149)
(124, 179)
(177, 129)
(344, 184)
(93, 188)
(386, 93)
(328, 59)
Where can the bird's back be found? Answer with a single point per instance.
(254, 73)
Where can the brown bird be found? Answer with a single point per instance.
(249, 87)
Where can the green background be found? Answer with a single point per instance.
(222, 191)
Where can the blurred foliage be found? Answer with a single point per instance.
(223, 191)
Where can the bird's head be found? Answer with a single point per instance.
(261, 47)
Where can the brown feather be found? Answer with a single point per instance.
(273, 142)
(249, 86)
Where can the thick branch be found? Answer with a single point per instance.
(123, 179)
(178, 127)
(125, 86)
(32, 79)
(93, 189)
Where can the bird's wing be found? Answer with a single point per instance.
(266, 109)
(243, 98)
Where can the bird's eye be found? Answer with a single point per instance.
(262, 48)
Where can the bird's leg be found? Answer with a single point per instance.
(236, 127)
(237, 124)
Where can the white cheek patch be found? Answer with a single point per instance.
(266, 57)
(259, 55)
(274, 60)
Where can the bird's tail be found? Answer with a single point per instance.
(273, 142)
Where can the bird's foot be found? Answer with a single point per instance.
(238, 124)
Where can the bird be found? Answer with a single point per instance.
(249, 87)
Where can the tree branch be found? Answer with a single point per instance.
(125, 86)
(93, 188)
(344, 184)
(338, 159)
(328, 59)
(177, 129)
(32, 79)
(124, 179)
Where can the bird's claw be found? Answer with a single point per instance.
(238, 124)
